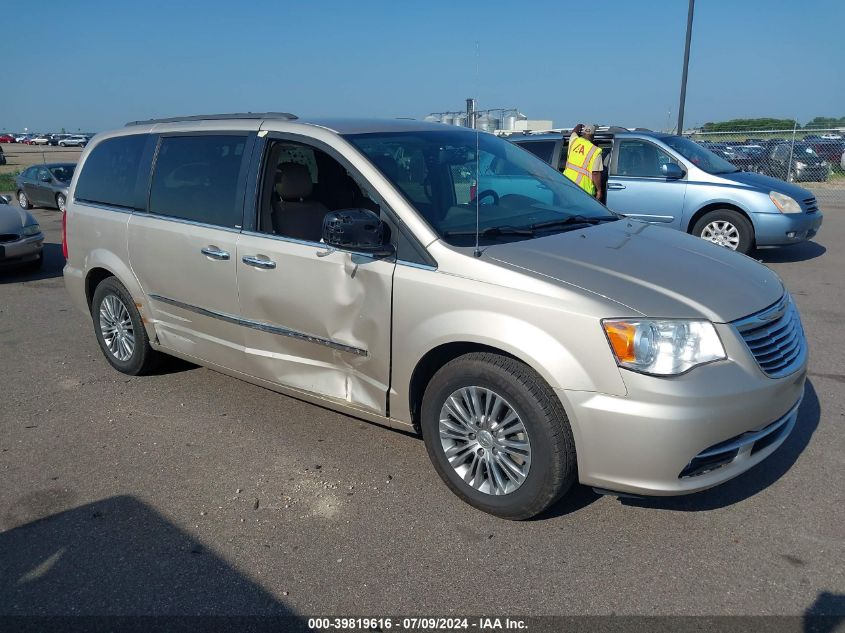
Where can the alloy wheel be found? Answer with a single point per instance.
(116, 328)
(22, 200)
(60, 202)
(723, 233)
(484, 440)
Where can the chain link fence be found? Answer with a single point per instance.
(811, 158)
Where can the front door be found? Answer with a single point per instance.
(637, 188)
(38, 190)
(183, 251)
(318, 320)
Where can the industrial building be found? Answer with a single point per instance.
(490, 120)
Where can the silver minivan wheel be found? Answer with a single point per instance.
(116, 328)
(723, 233)
(485, 440)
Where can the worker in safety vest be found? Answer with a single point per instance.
(584, 163)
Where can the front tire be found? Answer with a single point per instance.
(119, 330)
(61, 202)
(23, 200)
(728, 228)
(498, 436)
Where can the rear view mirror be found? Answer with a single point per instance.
(671, 171)
(359, 230)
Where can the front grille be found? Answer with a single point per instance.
(810, 205)
(775, 338)
(741, 447)
(8, 237)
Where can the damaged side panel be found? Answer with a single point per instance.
(317, 323)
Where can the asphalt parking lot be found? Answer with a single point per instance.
(189, 492)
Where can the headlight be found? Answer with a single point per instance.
(784, 203)
(32, 229)
(662, 347)
(800, 165)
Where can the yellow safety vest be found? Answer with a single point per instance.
(580, 159)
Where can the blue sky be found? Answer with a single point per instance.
(97, 64)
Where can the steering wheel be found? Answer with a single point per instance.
(484, 194)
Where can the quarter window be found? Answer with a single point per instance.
(112, 174)
(196, 178)
(641, 159)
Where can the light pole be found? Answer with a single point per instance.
(686, 68)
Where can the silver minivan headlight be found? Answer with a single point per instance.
(663, 347)
(784, 203)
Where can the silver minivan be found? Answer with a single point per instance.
(533, 339)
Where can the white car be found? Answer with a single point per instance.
(74, 141)
(831, 137)
(41, 139)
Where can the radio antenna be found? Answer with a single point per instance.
(477, 252)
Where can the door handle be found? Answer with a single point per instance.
(256, 262)
(615, 185)
(214, 253)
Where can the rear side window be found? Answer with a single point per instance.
(540, 149)
(196, 178)
(112, 174)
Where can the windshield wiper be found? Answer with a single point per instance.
(572, 219)
(493, 231)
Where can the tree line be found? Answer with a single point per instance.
(768, 123)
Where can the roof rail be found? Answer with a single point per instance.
(286, 116)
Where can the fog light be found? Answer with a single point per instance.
(791, 234)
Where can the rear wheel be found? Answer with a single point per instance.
(24, 201)
(119, 330)
(726, 227)
(498, 435)
(60, 202)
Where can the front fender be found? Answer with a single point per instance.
(565, 347)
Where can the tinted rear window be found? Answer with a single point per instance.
(540, 149)
(196, 178)
(112, 173)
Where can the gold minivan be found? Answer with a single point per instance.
(440, 280)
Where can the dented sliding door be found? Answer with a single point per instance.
(316, 320)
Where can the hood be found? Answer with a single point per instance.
(767, 184)
(654, 271)
(13, 218)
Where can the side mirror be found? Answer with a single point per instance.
(357, 230)
(8, 199)
(671, 171)
(45, 178)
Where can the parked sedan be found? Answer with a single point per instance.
(77, 140)
(44, 185)
(41, 139)
(7, 138)
(798, 163)
(21, 239)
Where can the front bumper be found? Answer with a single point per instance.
(776, 229)
(672, 436)
(21, 251)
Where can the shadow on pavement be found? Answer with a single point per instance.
(753, 481)
(795, 253)
(577, 498)
(826, 614)
(54, 262)
(119, 557)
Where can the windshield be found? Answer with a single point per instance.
(699, 156)
(805, 150)
(515, 191)
(63, 172)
